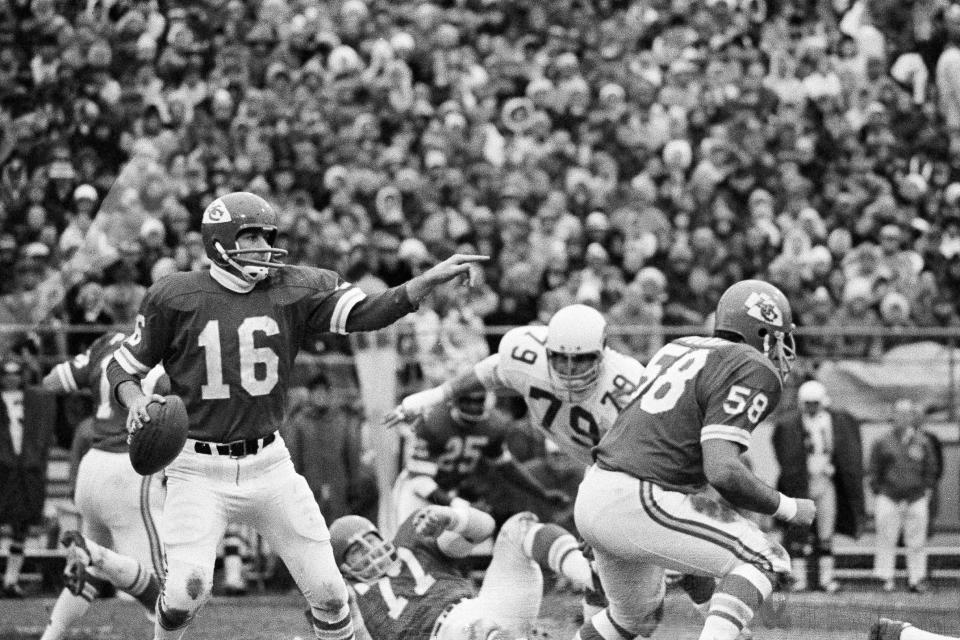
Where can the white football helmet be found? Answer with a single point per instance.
(576, 337)
(467, 621)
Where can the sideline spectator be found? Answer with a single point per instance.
(830, 473)
(904, 469)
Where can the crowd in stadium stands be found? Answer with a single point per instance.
(638, 156)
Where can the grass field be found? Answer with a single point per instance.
(843, 616)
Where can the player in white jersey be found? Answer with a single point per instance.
(573, 384)
(574, 387)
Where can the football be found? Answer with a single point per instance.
(155, 445)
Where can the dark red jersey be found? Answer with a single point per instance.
(407, 605)
(229, 354)
(88, 370)
(694, 389)
(450, 448)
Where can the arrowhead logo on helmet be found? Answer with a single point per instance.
(216, 212)
(762, 307)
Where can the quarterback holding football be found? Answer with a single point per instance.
(227, 338)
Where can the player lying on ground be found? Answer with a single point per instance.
(887, 629)
(411, 587)
(574, 387)
(118, 542)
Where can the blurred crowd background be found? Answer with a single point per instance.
(637, 156)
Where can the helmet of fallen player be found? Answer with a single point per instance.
(576, 336)
(760, 315)
(229, 216)
(472, 406)
(466, 620)
(359, 548)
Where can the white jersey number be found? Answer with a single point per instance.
(250, 357)
(422, 581)
(667, 376)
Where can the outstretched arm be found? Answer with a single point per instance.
(456, 266)
(417, 404)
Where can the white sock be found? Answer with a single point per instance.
(11, 575)
(717, 628)
(67, 610)
(121, 571)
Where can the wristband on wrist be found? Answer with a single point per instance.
(787, 508)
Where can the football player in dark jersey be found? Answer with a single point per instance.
(644, 503)
(412, 588)
(227, 338)
(448, 446)
(118, 542)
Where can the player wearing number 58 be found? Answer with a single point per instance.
(228, 338)
(574, 386)
(644, 503)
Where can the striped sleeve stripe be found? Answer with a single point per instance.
(725, 432)
(338, 321)
(422, 467)
(129, 363)
(65, 375)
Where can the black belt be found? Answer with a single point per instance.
(236, 449)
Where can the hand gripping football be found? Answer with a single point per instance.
(159, 441)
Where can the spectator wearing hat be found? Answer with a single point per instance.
(856, 310)
(641, 306)
(904, 470)
(818, 313)
(79, 221)
(893, 259)
(830, 473)
(896, 318)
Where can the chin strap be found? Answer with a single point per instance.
(249, 272)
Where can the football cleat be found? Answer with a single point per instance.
(226, 218)
(78, 559)
(887, 629)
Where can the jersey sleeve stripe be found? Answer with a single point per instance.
(338, 321)
(422, 467)
(129, 363)
(725, 432)
(65, 375)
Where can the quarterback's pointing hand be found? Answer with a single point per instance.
(457, 265)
